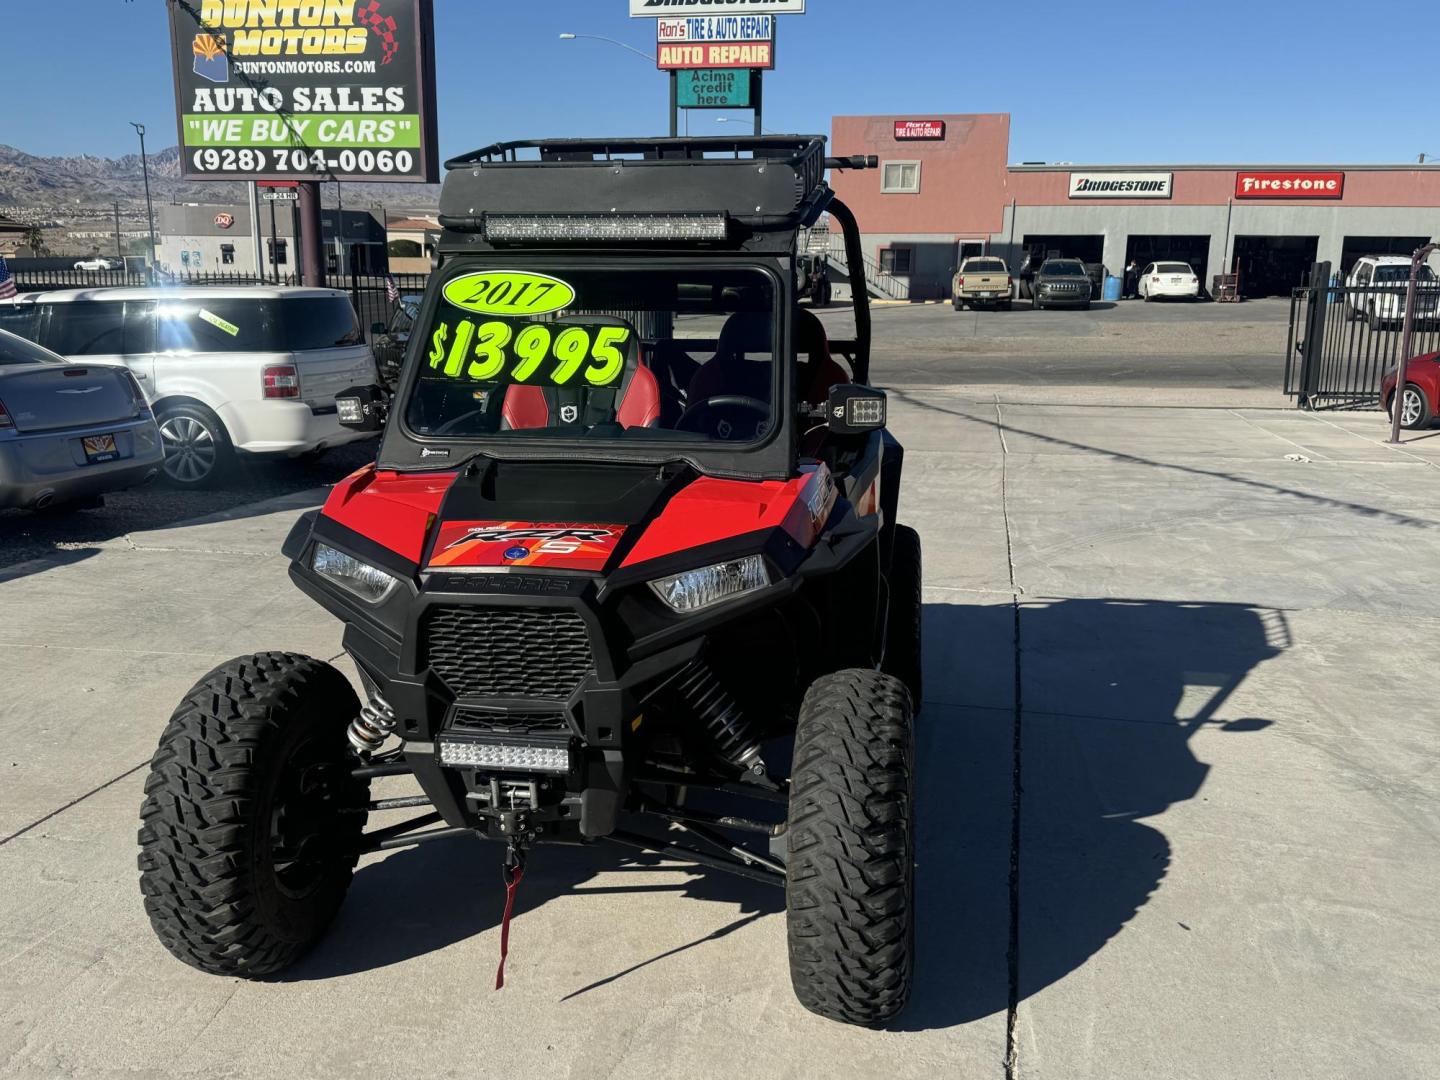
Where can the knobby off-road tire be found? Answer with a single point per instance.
(850, 885)
(903, 625)
(245, 856)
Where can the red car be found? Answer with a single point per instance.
(1422, 391)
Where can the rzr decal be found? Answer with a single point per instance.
(563, 545)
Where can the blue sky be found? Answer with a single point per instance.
(1157, 81)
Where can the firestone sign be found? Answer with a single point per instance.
(1289, 185)
(305, 89)
(920, 129)
(1120, 185)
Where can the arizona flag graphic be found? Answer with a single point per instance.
(211, 61)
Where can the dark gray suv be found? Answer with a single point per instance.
(1061, 283)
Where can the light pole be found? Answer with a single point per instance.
(674, 81)
(149, 209)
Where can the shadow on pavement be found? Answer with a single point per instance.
(427, 898)
(1111, 694)
(55, 536)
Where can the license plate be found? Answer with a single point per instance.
(989, 294)
(1174, 281)
(100, 448)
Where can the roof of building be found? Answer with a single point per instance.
(413, 225)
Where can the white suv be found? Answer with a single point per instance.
(1375, 291)
(243, 368)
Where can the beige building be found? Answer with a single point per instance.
(410, 242)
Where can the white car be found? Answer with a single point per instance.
(1169, 279)
(253, 369)
(1376, 288)
(96, 263)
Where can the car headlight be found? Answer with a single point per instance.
(365, 581)
(695, 590)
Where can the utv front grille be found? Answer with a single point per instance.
(480, 720)
(505, 652)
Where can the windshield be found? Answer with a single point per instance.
(1173, 268)
(1395, 274)
(598, 352)
(1062, 269)
(984, 266)
(16, 350)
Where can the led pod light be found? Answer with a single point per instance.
(518, 228)
(695, 590)
(512, 756)
(360, 578)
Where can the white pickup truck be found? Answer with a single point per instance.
(982, 279)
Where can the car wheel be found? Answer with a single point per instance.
(197, 449)
(1373, 320)
(849, 888)
(1415, 409)
(252, 818)
(1009, 305)
(956, 304)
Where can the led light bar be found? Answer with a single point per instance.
(695, 590)
(518, 228)
(484, 755)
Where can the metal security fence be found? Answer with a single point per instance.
(1344, 338)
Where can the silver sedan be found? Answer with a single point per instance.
(68, 431)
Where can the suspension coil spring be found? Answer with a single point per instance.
(724, 721)
(372, 727)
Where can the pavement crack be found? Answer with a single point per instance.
(73, 802)
(1012, 947)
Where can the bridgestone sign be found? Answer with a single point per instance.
(1113, 185)
(651, 9)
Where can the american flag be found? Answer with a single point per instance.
(392, 290)
(7, 283)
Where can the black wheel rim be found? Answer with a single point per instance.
(304, 810)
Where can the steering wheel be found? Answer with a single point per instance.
(724, 416)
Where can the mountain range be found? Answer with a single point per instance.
(77, 188)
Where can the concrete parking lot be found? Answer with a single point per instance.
(1178, 807)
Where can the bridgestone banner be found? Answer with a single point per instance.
(305, 89)
(649, 9)
(1120, 185)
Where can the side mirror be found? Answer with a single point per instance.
(377, 328)
(855, 410)
(362, 408)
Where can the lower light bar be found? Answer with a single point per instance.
(518, 228)
(519, 758)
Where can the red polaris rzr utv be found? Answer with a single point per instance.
(626, 569)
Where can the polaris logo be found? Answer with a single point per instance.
(1121, 185)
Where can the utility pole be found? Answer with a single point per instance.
(339, 232)
(145, 171)
(119, 251)
(274, 245)
(312, 253)
(256, 236)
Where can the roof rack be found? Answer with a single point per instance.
(764, 182)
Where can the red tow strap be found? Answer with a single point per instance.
(512, 875)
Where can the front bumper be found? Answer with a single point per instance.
(51, 466)
(1062, 297)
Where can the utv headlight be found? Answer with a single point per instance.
(695, 590)
(352, 575)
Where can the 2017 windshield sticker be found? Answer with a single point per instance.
(217, 322)
(509, 292)
(541, 353)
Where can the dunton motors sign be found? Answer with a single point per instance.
(1289, 185)
(1121, 185)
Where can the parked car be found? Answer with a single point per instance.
(389, 340)
(97, 263)
(252, 369)
(1169, 279)
(982, 279)
(1422, 391)
(69, 432)
(1376, 289)
(1061, 283)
